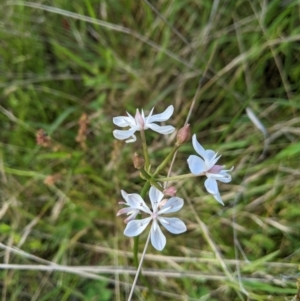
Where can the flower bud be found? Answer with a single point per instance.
(183, 135)
(138, 162)
(170, 191)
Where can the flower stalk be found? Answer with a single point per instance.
(177, 178)
(163, 200)
(165, 161)
(145, 150)
(139, 268)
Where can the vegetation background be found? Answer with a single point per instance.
(69, 67)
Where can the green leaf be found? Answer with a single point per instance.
(289, 151)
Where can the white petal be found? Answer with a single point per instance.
(218, 198)
(172, 205)
(158, 239)
(173, 224)
(212, 162)
(122, 135)
(226, 177)
(124, 195)
(198, 148)
(123, 121)
(212, 159)
(222, 176)
(196, 165)
(136, 201)
(210, 153)
(132, 216)
(126, 210)
(165, 130)
(162, 116)
(136, 227)
(155, 196)
(212, 187)
(133, 139)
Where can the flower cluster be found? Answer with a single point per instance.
(203, 165)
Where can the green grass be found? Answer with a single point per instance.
(59, 59)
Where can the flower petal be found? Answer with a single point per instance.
(122, 135)
(123, 121)
(136, 201)
(165, 130)
(172, 205)
(198, 148)
(131, 216)
(136, 227)
(124, 195)
(196, 165)
(212, 187)
(131, 140)
(158, 239)
(155, 197)
(126, 210)
(210, 154)
(218, 198)
(173, 224)
(226, 178)
(160, 117)
(222, 176)
(213, 159)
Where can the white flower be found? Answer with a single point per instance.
(172, 224)
(140, 122)
(207, 166)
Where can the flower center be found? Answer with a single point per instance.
(215, 169)
(154, 215)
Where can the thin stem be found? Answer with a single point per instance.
(145, 189)
(139, 268)
(145, 149)
(166, 160)
(145, 174)
(149, 179)
(176, 178)
(135, 250)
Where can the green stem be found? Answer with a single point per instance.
(145, 174)
(145, 189)
(139, 269)
(136, 250)
(149, 179)
(166, 160)
(176, 178)
(145, 149)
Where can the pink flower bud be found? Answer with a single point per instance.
(170, 191)
(183, 135)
